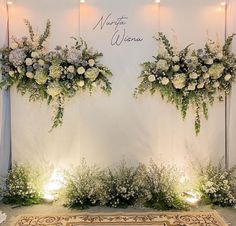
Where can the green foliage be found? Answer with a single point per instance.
(162, 188)
(54, 76)
(23, 186)
(190, 78)
(83, 188)
(217, 185)
(122, 187)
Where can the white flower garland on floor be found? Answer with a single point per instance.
(190, 77)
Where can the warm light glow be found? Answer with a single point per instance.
(223, 3)
(192, 198)
(49, 197)
(183, 179)
(9, 2)
(82, 1)
(54, 184)
(157, 1)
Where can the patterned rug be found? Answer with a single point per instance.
(123, 219)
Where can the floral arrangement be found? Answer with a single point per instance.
(122, 187)
(217, 185)
(23, 186)
(190, 77)
(83, 186)
(161, 187)
(52, 76)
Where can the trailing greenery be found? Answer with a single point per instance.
(54, 76)
(23, 186)
(217, 185)
(188, 77)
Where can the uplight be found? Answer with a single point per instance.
(223, 3)
(157, 1)
(9, 2)
(192, 198)
(54, 184)
(82, 1)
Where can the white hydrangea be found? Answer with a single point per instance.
(216, 71)
(40, 77)
(54, 89)
(162, 65)
(92, 73)
(176, 68)
(55, 70)
(34, 54)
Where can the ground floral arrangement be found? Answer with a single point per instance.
(190, 77)
(145, 185)
(52, 76)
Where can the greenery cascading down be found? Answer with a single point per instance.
(188, 77)
(52, 76)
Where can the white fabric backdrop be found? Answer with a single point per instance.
(105, 129)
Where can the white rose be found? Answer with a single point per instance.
(175, 58)
(200, 86)
(29, 74)
(14, 45)
(165, 81)
(71, 69)
(29, 61)
(41, 62)
(34, 54)
(206, 76)
(81, 83)
(193, 75)
(91, 62)
(219, 56)
(192, 87)
(80, 70)
(176, 68)
(209, 61)
(216, 84)
(151, 78)
(228, 77)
